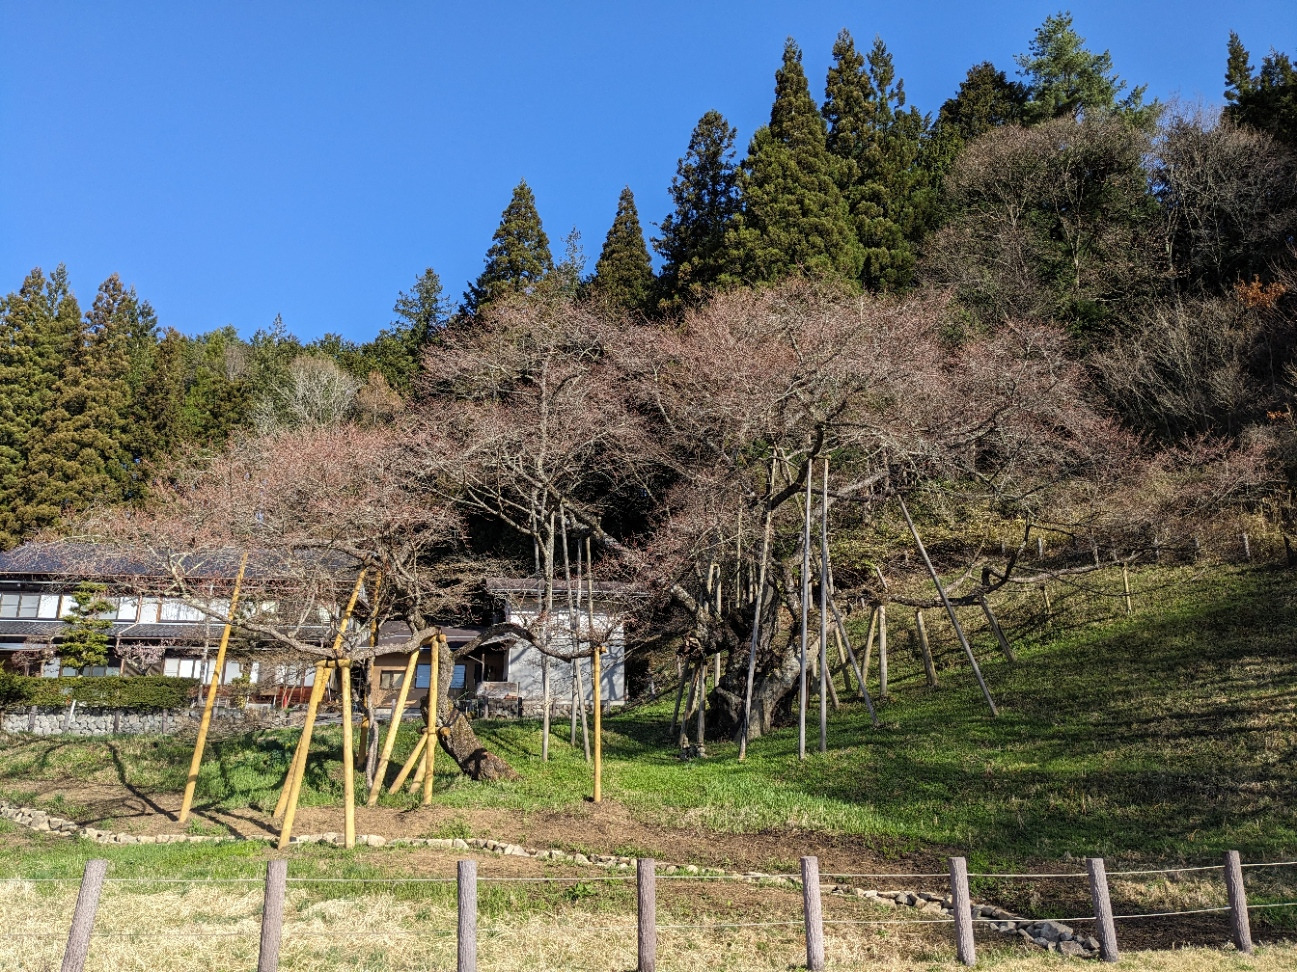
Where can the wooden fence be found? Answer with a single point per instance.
(962, 918)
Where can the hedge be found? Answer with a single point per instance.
(106, 692)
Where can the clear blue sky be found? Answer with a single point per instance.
(233, 160)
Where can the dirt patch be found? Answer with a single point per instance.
(611, 828)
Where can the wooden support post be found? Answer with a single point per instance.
(1105, 926)
(869, 640)
(409, 763)
(1005, 648)
(295, 786)
(83, 919)
(814, 914)
(398, 711)
(213, 688)
(646, 899)
(826, 682)
(1040, 548)
(700, 730)
(803, 660)
(467, 950)
(1239, 924)
(860, 676)
(929, 669)
(317, 693)
(1049, 605)
(434, 704)
(758, 601)
(1125, 586)
(950, 609)
(272, 916)
(348, 759)
(1247, 548)
(882, 651)
(963, 909)
(680, 697)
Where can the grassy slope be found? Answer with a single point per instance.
(1165, 736)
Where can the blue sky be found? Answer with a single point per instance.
(234, 161)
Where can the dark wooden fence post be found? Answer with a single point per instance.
(814, 914)
(467, 916)
(272, 916)
(83, 919)
(1242, 929)
(1105, 926)
(963, 909)
(646, 897)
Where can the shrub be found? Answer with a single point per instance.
(118, 692)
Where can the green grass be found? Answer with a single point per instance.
(1168, 736)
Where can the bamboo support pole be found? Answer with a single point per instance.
(950, 609)
(394, 726)
(1007, 649)
(925, 649)
(295, 785)
(369, 666)
(826, 682)
(869, 641)
(860, 676)
(348, 759)
(317, 693)
(805, 615)
(1125, 587)
(214, 686)
(758, 602)
(596, 678)
(434, 705)
(882, 651)
(409, 764)
(343, 666)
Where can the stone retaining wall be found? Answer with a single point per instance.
(88, 721)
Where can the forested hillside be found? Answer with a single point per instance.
(1159, 237)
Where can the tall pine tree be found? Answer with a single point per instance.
(39, 327)
(879, 143)
(623, 277)
(80, 454)
(519, 257)
(1065, 80)
(794, 218)
(1266, 100)
(706, 198)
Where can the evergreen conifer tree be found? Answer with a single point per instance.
(79, 453)
(705, 194)
(84, 640)
(623, 277)
(39, 327)
(1266, 100)
(1064, 80)
(986, 99)
(794, 218)
(879, 143)
(519, 257)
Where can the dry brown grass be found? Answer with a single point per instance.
(216, 927)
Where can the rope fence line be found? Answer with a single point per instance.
(959, 911)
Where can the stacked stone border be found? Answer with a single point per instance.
(1050, 935)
